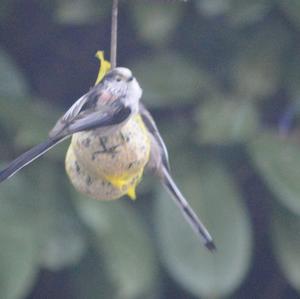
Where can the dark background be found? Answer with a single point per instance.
(221, 78)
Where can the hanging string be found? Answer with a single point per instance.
(114, 34)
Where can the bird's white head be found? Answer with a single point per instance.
(121, 80)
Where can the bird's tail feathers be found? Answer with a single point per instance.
(186, 209)
(28, 157)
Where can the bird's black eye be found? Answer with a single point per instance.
(130, 79)
(118, 79)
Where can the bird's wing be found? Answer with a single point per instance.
(158, 141)
(116, 115)
(97, 108)
(85, 114)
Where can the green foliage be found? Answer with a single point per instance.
(17, 260)
(120, 238)
(225, 120)
(157, 21)
(286, 240)
(256, 70)
(198, 270)
(277, 160)
(170, 87)
(81, 11)
(238, 12)
(12, 82)
(220, 76)
(292, 10)
(19, 245)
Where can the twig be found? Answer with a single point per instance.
(114, 34)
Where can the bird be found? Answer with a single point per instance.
(113, 139)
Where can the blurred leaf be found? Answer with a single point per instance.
(244, 12)
(39, 119)
(156, 22)
(18, 260)
(257, 69)
(6, 7)
(180, 120)
(46, 211)
(18, 241)
(78, 12)
(213, 7)
(62, 240)
(12, 83)
(224, 120)
(277, 160)
(121, 239)
(292, 76)
(90, 280)
(63, 245)
(18, 202)
(237, 11)
(169, 79)
(30, 128)
(292, 10)
(199, 271)
(286, 240)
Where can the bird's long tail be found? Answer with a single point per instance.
(186, 210)
(28, 157)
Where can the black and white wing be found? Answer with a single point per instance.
(84, 114)
(97, 108)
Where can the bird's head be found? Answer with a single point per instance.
(122, 81)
